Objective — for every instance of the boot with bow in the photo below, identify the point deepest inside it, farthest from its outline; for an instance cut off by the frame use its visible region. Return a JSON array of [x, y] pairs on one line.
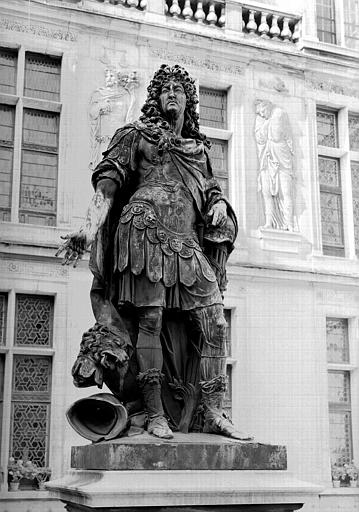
[[150, 384]]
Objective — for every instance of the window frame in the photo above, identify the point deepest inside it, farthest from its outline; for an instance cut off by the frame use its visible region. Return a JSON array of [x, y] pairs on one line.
[[339, 26], [345, 156], [9, 350], [352, 367], [221, 134], [5, 212], [332, 20], [22, 102]]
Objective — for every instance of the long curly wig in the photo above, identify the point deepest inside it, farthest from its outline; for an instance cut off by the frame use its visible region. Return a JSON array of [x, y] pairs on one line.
[[152, 114]]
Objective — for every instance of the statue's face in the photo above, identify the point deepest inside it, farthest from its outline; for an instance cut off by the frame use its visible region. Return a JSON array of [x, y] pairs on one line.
[[264, 110], [173, 99]]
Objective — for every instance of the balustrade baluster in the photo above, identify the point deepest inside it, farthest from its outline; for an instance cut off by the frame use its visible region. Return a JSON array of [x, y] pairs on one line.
[[274, 30], [222, 18], [132, 3], [296, 32], [187, 12], [263, 28], [286, 33], [211, 16], [200, 15], [143, 4], [175, 9], [251, 25]]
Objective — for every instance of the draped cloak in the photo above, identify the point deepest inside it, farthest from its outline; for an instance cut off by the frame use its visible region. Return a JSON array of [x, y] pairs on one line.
[[158, 238]]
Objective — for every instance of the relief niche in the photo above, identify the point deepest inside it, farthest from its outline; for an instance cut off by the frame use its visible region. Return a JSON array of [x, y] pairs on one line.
[[276, 177], [111, 106]]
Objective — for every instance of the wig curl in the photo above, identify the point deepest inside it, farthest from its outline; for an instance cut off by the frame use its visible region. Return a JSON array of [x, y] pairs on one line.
[[152, 114]]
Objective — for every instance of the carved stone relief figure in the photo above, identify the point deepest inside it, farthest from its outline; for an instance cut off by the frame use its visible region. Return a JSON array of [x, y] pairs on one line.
[[276, 175], [111, 106]]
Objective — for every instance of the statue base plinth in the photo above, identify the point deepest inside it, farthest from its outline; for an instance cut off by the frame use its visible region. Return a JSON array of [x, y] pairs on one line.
[[183, 452], [211, 472]]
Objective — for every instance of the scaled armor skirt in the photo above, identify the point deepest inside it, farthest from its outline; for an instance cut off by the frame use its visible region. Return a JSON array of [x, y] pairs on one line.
[[156, 267]]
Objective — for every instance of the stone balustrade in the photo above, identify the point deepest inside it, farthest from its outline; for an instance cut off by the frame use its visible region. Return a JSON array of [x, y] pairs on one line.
[[267, 23], [136, 4], [249, 18], [257, 21]]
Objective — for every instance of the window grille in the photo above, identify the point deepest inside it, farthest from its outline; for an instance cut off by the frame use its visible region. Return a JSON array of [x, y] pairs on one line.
[[340, 437], [32, 374], [339, 387], [8, 65], [337, 340], [7, 121], [327, 129], [326, 29], [354, 132], [213, 108], [42, 76], [30, 414], [331, 206], [34, 320]]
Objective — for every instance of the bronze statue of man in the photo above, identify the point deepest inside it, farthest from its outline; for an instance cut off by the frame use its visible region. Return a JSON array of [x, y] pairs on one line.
[[161, 232]]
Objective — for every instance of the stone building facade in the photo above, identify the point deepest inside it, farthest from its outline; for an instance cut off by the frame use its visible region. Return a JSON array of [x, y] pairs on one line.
[[279, 98]]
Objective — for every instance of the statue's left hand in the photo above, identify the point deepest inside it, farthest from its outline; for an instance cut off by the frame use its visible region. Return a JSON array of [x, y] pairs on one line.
[[218, 212]]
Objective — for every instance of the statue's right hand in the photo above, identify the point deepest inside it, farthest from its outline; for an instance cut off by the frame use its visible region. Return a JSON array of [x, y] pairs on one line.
[[74, 246]]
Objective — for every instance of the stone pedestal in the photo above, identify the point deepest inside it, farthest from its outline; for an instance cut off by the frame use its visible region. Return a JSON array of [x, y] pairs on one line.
[[184, 452], [190, 473], [276, 240]]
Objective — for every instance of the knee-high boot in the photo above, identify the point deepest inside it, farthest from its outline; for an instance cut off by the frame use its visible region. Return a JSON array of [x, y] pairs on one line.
[[150, 384], [215, 420]]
